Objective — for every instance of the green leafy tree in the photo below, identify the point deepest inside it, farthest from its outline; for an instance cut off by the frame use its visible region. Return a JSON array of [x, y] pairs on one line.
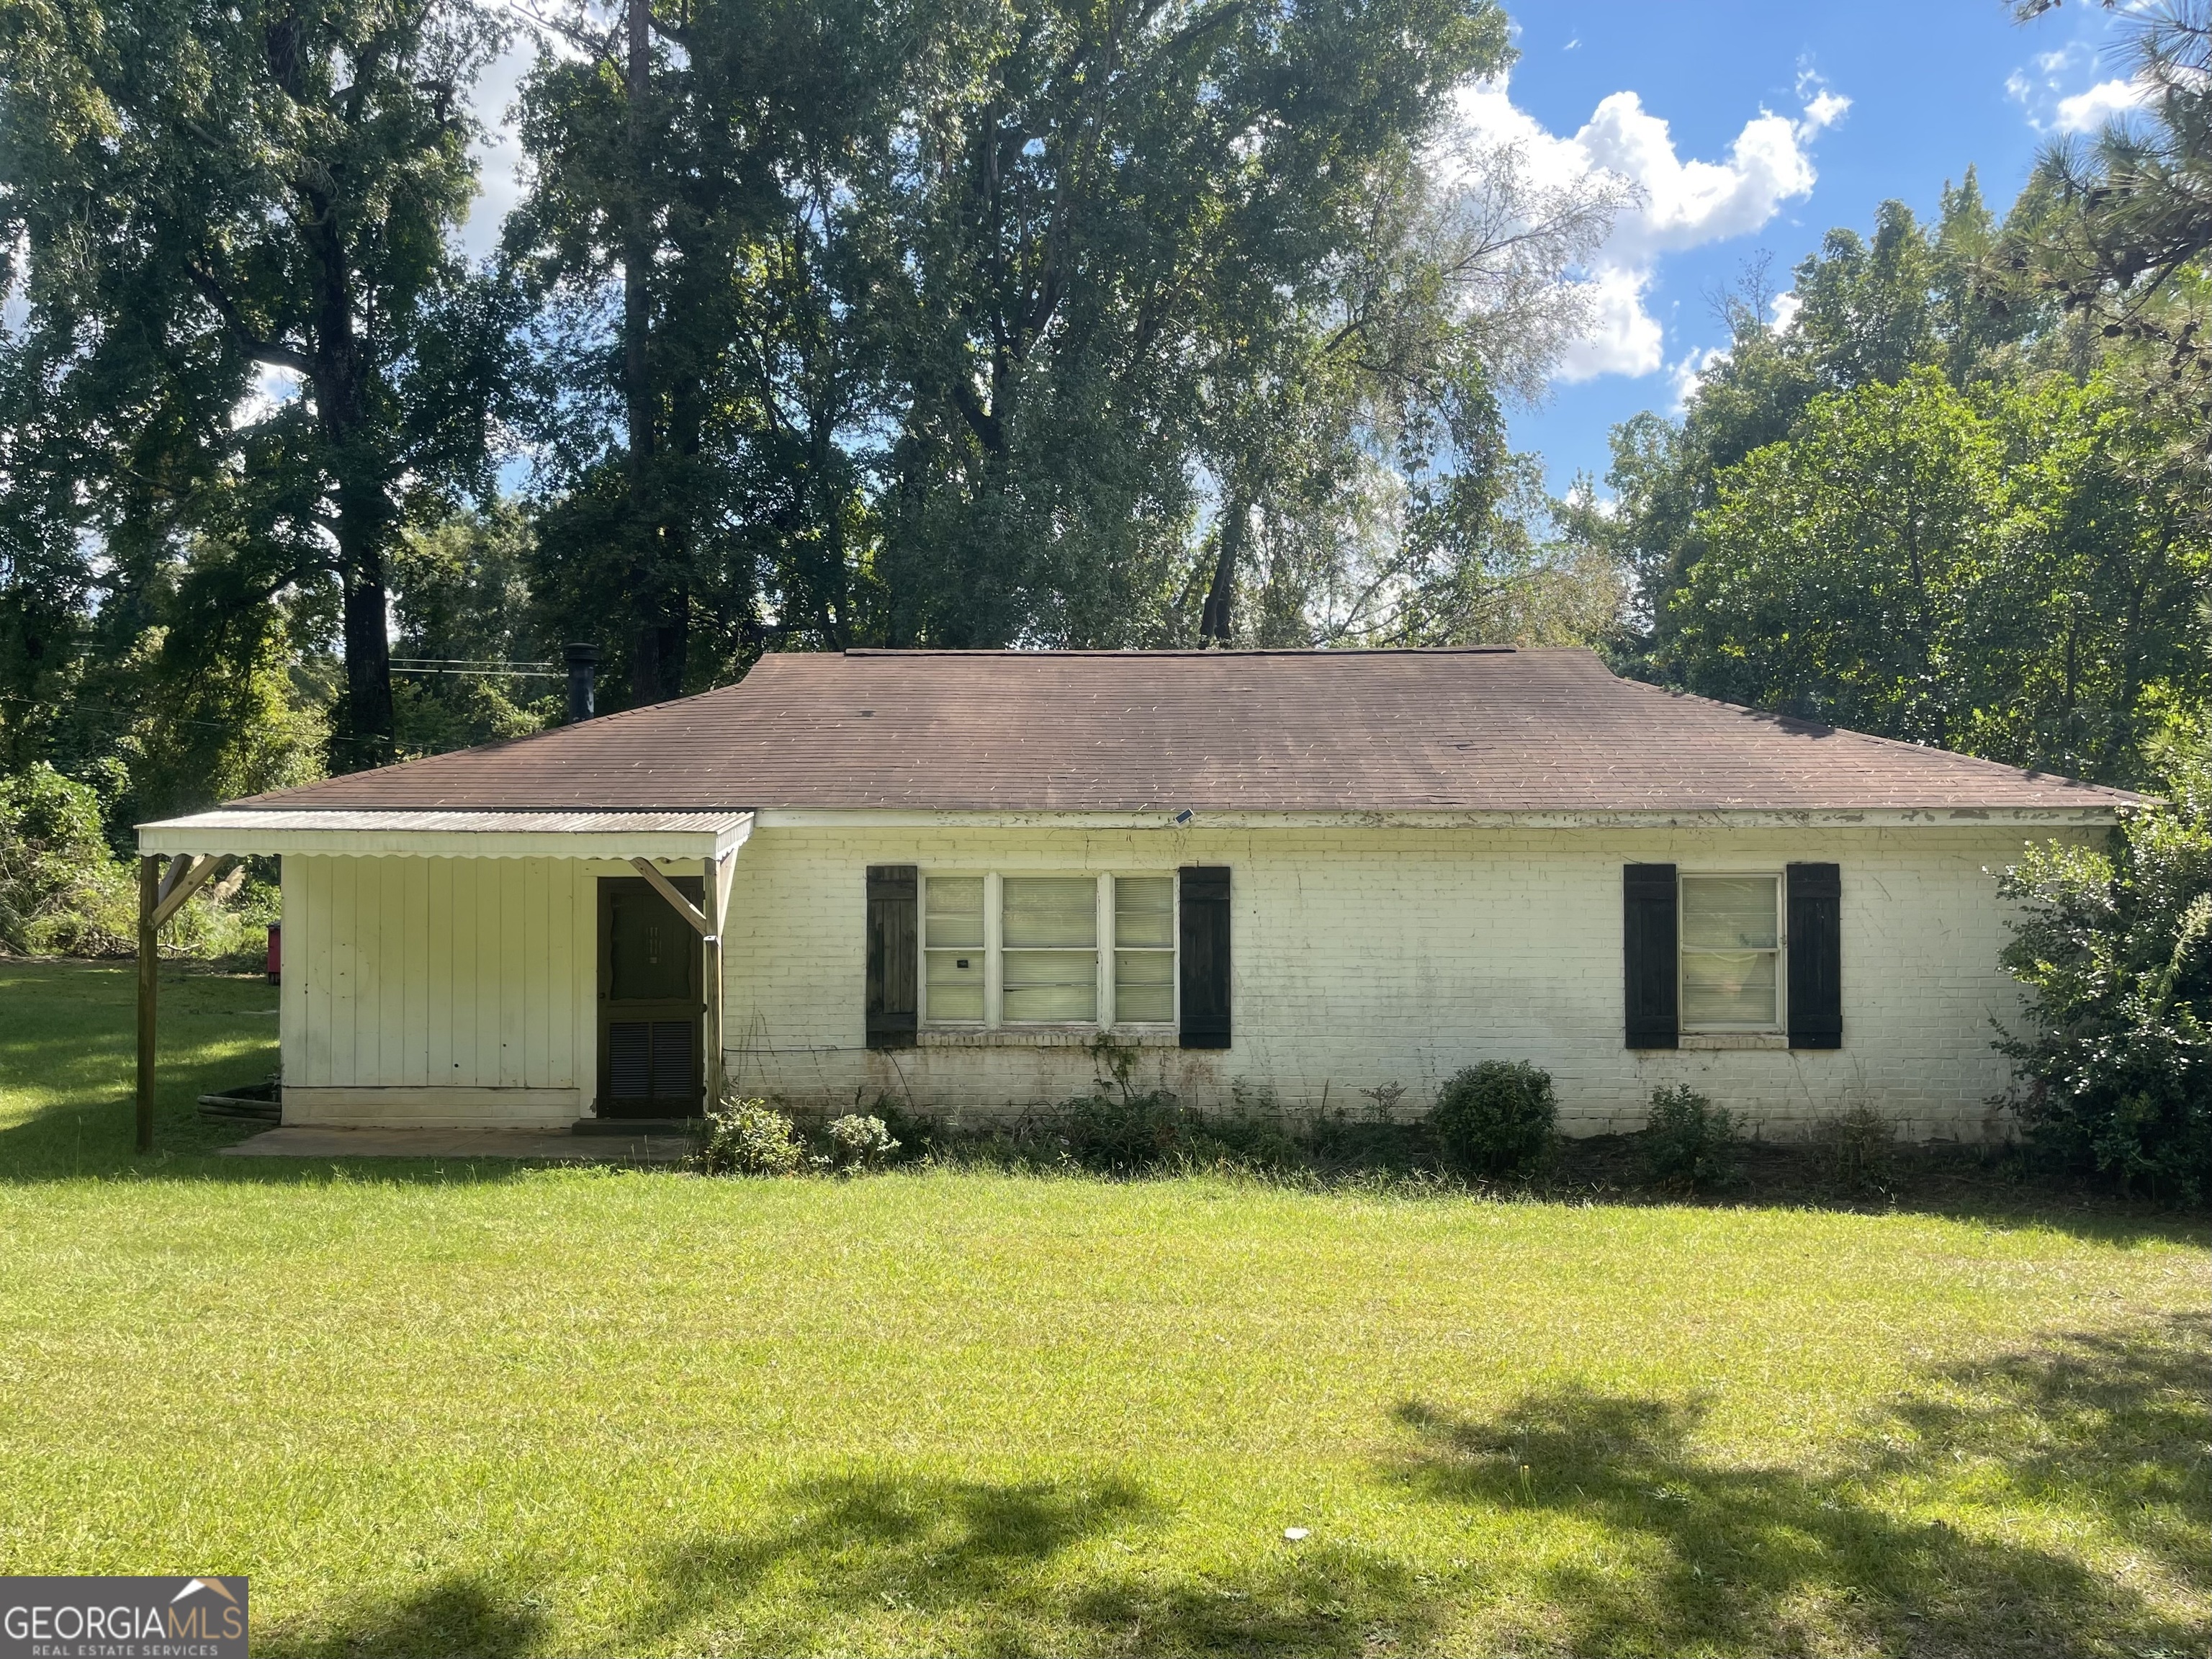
[[468, 631], [218, 200], [952, 333], [1989, 573], [686, 230], [1866, 312], [1106, 247]]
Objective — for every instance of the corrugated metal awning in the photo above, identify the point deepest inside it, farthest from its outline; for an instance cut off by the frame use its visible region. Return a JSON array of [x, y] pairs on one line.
[[450, 835]]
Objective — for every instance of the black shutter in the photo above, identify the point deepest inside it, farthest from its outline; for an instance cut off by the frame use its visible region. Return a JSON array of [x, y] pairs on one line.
[[892, 889], [1648, 904], [1815, 904], [1205, 928]]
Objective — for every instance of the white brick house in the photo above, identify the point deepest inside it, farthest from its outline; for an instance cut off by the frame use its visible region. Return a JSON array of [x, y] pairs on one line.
[[938, 876]]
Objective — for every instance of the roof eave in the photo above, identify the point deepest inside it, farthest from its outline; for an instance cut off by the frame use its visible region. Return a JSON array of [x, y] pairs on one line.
[[2092, 815]]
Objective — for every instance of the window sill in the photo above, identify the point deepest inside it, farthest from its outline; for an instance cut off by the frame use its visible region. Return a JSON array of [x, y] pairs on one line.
[[1733, 1040], [1048, 1036]]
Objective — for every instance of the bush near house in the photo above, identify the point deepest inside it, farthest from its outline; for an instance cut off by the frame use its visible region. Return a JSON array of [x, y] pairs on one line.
[[1496, 1121], [749, 1137], [2114, 948], [1689, 1142], [1858, 1149]]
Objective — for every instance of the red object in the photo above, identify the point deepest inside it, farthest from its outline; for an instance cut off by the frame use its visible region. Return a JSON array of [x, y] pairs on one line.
[[276, 952]]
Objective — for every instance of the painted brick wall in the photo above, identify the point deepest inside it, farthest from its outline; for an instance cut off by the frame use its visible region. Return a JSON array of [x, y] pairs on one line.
[[1374, 955]]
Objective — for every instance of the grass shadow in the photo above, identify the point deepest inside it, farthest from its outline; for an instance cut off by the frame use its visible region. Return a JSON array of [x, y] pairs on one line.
[[1320, 1598], [1765, 1559], [1640, 1543], [458, 1616], [1995, 1185], [890, 1545]]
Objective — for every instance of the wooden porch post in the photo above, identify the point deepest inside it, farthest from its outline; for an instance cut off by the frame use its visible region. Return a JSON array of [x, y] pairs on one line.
[[149, 889], [716, 893]]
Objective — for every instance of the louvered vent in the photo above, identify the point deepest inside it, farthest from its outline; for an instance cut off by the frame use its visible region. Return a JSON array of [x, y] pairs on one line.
[[630, 1048], [672, 1044]]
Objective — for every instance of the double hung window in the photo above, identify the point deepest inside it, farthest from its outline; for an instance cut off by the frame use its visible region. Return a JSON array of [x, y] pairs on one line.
[[1048, 950], [1731, 953]]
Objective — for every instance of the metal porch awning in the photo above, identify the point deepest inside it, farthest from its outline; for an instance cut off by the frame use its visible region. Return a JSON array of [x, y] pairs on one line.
[[178, 856], [237, 831]]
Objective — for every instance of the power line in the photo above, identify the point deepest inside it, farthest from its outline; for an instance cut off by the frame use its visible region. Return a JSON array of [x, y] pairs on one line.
[[475, 666]]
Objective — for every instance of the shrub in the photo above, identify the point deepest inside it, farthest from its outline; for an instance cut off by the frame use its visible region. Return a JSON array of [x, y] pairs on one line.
[[746, 1136], [1858, 1149], [1689, 1141], [1495, 1120], [914, 1136], [63, 892], [2114, 948], [860, 1143], [1250, 1136], [1127, 1134], [61, 888]]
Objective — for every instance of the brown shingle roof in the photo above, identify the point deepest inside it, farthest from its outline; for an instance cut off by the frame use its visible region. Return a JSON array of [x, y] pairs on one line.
[[1383, 731]]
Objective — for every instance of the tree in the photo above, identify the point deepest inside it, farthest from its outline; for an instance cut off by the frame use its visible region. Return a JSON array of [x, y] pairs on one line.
[[1361, 469], [1107, 248], [2143, 189], [691, 175], [468, 629], [216, 198], [953, 328], [2116, 232], [1993, 573], [1865, 313]]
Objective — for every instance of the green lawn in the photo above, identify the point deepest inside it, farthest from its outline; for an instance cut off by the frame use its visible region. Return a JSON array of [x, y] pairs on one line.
[[488, 1411]]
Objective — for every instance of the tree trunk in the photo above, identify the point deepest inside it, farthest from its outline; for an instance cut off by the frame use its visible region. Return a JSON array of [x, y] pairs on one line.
[[649, 651], [365, 736], [1213, 625], [365, 729]]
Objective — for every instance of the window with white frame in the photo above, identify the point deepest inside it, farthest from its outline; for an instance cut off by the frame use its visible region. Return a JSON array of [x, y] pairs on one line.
[[1731, 952], [1048, 950]]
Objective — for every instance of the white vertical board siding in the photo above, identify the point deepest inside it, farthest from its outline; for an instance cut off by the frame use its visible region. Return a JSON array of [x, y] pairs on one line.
[[438, 990], [1367, 956]]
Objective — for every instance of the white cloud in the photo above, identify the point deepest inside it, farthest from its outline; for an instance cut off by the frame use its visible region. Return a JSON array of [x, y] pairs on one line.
[[2087, 111], [1622, 337], [1782, 310], [1681, 203], [498, 153], [2041, 87], [1825, 110], [1688, 374]]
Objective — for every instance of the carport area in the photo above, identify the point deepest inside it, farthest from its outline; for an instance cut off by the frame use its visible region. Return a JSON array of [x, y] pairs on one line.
[[469, 973]]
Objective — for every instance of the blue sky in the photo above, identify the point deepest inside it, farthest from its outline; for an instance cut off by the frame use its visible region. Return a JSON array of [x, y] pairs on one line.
[[1931, 86]]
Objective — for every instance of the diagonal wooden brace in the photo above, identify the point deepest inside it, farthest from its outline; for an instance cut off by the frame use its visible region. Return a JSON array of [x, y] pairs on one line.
[[682, 906], [181, 883], [178, 864]]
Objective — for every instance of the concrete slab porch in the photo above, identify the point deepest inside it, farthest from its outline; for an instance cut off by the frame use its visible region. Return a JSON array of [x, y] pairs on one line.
[[308, 1141]]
